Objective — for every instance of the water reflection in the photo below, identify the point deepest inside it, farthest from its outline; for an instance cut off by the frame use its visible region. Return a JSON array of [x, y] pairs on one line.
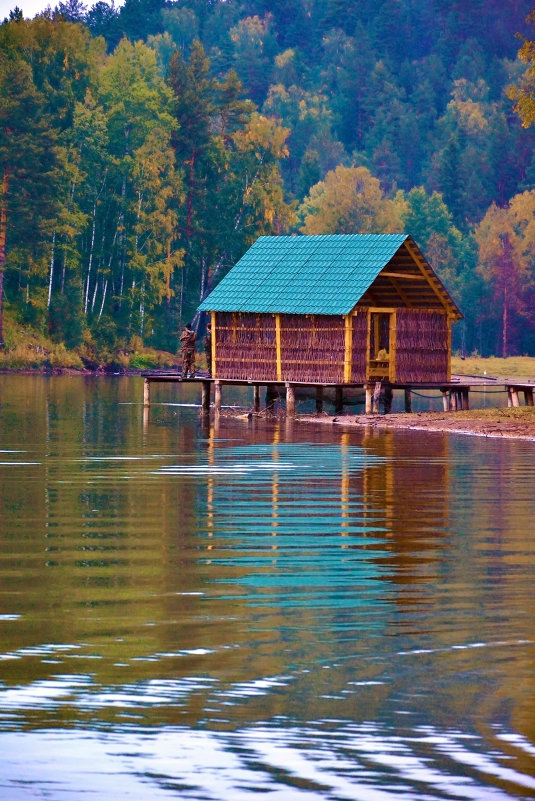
[[325, 760], [215, 609]]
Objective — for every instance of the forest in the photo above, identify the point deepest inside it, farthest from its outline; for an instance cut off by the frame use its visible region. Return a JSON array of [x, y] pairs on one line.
[[144, 148]]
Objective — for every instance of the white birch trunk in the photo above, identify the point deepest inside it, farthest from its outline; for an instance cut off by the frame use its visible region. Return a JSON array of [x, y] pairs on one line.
[[91, 251], [51, 276], [103, 298]]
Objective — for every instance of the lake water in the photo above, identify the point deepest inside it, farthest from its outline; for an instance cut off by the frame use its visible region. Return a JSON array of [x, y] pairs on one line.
[[253, 608]]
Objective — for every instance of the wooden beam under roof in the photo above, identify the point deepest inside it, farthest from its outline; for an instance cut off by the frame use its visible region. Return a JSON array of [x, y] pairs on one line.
[[399, 290], [435, 284], [410, 276]]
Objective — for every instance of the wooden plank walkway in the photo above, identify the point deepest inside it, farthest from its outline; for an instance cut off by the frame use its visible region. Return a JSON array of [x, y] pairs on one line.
[[455, 393]]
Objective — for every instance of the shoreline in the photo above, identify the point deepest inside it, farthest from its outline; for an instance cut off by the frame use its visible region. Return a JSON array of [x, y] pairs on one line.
[[516, 422], [506, 423]]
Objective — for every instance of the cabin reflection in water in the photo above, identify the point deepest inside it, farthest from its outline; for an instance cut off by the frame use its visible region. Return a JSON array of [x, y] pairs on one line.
[[358, 489]]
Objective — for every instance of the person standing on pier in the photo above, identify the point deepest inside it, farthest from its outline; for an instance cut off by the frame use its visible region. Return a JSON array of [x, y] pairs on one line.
[[208, 349], [188, 338]]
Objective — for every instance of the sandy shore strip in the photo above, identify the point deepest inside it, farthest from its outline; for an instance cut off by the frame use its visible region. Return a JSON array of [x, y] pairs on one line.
[[514, 422]]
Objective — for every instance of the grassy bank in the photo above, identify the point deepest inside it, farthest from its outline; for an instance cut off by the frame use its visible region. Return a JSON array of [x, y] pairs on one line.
[[512, 367], [32, 352], [26, 350]]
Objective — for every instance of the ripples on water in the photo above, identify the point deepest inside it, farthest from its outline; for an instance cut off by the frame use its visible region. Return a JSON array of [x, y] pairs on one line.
[[194, 611]]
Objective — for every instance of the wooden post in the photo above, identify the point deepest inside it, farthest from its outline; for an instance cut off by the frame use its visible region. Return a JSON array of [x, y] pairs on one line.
[[514, 396], [205, 396], [278, 348], [256, 398], [509, 397], [466, 398], [369, 398], [290, 400], [338, 399], [217, 396], [528, 396], [146, 392], [319, 400], [449, 348], [408, 401], [376, 396], [445, 400], [348, 348], [271, 397], [212, 367], [389, 396]]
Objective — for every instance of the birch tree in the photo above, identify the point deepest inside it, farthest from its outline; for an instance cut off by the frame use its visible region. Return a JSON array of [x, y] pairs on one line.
[[45, 66], [140, 182]]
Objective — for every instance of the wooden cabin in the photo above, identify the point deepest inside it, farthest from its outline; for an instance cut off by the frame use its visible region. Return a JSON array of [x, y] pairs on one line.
[[340, 309]]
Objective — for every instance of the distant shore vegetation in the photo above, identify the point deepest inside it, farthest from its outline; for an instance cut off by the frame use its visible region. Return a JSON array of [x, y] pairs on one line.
[[29, 351], [144, 148]]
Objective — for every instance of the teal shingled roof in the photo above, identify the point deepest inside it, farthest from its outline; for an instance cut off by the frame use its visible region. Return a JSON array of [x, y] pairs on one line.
[[304, 274]]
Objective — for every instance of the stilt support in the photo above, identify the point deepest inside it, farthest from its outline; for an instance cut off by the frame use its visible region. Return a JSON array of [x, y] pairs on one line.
[[389, 396], [528, 396], [408, 400], [369, 399], [512, 396], [290, 400], [217, 396], [205, 396], [271, 397], [376, 396], [146, 392], [256, 398]]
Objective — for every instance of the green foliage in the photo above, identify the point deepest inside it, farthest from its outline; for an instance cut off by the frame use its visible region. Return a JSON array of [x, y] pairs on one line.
[[134, 172], [349, 201]]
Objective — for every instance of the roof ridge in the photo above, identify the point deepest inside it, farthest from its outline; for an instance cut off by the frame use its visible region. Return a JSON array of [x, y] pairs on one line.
[[318, 274]]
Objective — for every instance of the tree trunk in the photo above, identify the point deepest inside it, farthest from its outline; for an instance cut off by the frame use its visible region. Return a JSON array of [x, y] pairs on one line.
[[3, 230], [504, 323], [91, 250], [94, 296], [120, 230], [103, 298], [2, 343], [51, 274]]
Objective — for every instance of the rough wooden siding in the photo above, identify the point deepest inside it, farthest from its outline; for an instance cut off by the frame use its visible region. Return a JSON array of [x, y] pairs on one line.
[[246, 346], [421, 346], [312, 348], [359, 346]]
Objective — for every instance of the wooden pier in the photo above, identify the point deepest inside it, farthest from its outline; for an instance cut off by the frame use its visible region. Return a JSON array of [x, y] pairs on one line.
[[455, 393]]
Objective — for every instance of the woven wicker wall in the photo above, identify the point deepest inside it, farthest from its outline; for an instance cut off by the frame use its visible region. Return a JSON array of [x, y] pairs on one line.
[[246, 346], [312, 348], [421, 346], [359, 346]]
